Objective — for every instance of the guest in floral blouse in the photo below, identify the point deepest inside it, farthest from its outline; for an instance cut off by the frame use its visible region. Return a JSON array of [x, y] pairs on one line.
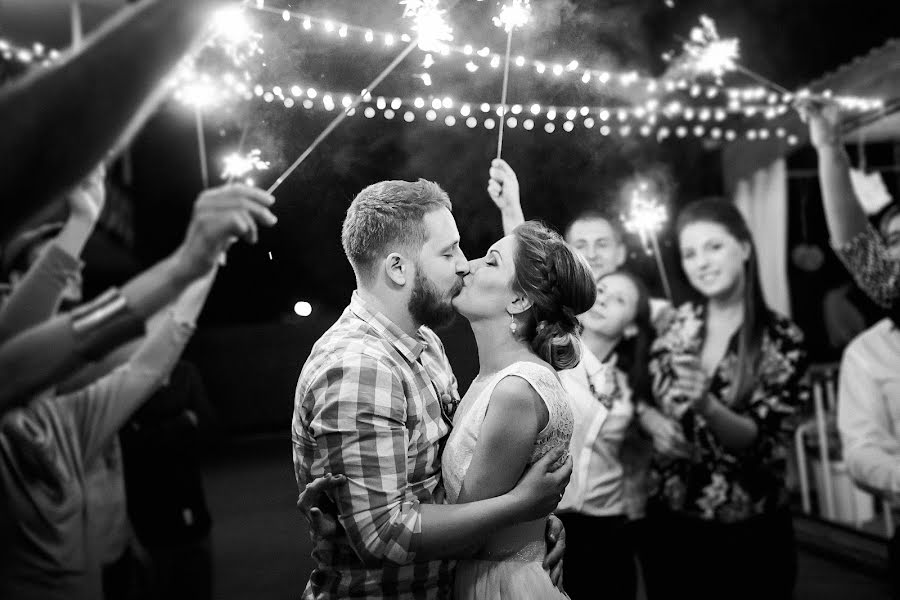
[[866, 254], [726, 369]]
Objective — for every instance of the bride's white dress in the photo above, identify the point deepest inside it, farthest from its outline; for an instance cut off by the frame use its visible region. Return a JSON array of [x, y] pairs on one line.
[[509, 565]]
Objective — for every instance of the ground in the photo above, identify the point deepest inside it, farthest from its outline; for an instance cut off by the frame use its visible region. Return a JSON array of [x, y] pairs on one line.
[[262, 548]]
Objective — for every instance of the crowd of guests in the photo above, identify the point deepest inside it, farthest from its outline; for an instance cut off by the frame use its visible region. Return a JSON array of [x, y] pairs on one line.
[[703, 392], [101, 494], [679, 414]]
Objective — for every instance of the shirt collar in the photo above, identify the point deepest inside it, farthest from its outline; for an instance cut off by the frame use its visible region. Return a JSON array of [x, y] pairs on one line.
[[408, 346]]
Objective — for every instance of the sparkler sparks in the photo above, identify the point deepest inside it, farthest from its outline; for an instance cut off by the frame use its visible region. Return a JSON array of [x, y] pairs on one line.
[[433, 32], [646, 215], [513, 15], [237, 165], [708, 54], [233, 33]]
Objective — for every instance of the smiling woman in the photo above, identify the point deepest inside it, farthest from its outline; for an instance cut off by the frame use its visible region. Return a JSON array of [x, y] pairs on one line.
[[727, 371]]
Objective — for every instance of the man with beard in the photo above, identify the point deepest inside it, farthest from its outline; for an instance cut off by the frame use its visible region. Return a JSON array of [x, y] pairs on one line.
[[375, 401]]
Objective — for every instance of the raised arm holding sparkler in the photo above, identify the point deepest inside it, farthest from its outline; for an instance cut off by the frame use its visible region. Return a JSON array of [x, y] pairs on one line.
[[857, 244]]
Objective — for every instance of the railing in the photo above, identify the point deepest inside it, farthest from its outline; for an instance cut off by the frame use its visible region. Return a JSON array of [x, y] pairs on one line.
[[836, 503]]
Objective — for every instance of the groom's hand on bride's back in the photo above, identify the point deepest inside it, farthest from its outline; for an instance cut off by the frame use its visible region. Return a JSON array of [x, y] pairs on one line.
[[556, 548], [541, 487], [317, 508]]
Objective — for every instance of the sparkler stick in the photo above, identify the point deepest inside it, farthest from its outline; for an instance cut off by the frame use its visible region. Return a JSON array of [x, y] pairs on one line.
[[503, 93], [201, 146], [660, 267], [646, 217], [343, 115], [511, 16], [432, 34]]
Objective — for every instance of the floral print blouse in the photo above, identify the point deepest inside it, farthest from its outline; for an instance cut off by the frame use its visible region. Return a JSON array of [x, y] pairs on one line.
[[715, 483], [875, 271]]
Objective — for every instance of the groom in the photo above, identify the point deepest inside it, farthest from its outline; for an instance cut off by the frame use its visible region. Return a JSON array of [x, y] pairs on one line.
[[374, 403]]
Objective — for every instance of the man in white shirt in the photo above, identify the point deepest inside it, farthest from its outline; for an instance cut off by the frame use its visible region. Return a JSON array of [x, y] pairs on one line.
[[869, 419]]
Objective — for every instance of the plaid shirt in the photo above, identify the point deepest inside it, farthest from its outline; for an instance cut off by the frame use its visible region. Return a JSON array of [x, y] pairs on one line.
[[368, 405]]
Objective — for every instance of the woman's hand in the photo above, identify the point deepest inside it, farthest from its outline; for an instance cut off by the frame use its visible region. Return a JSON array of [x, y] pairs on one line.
[[503, 187], [691, 383], [668, 437], [823, 118]]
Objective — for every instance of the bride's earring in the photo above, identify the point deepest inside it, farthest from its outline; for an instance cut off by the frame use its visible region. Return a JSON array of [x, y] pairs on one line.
[[513, 325]]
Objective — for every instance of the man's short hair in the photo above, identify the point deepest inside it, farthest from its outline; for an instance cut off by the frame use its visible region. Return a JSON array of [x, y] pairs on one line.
[[597, 214], [385, 215]]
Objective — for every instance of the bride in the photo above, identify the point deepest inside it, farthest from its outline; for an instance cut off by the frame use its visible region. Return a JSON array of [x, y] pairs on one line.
[[521, 299]]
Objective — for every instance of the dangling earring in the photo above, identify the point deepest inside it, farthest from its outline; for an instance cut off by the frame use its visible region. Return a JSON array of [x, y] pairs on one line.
[[513, 325]]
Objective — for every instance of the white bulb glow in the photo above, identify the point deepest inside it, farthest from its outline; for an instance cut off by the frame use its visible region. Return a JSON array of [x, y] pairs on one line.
[[303, 309]]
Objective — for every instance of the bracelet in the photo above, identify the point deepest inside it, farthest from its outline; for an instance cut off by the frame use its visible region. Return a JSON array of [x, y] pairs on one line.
[[104, 324]]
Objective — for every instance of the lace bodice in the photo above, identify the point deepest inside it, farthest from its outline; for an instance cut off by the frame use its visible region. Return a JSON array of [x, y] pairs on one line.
[[463, 439]]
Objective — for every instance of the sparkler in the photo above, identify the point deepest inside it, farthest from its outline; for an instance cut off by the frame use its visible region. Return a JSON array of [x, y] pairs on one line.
[[200, 94], [432, 33], [646, 216], [707, 53], [237, 165], [511, 16], [230, 32]]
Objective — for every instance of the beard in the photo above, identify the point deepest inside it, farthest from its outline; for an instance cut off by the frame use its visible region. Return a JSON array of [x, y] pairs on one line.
[[428, 306]]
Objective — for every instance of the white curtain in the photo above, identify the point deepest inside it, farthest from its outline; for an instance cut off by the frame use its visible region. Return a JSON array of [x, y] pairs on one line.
[[762, 198]]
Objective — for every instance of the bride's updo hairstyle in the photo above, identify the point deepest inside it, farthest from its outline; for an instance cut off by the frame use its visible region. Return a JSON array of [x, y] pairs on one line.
[[560, 285]]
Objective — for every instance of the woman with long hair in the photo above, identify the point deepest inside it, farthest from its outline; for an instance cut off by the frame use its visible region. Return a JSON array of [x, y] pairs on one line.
[[603, 390], [726, 368], [521, 300]]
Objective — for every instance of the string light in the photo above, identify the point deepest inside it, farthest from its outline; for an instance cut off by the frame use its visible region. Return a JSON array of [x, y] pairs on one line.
[[440, 34]]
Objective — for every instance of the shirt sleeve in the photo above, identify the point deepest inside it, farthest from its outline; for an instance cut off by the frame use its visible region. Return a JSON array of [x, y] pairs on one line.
[[867, 259], [37, 296], [104, 406], [871, 449], [355, 411]]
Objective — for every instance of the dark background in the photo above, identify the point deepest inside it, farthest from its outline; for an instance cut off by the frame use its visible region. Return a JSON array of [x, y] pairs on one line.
[[250, 347]]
